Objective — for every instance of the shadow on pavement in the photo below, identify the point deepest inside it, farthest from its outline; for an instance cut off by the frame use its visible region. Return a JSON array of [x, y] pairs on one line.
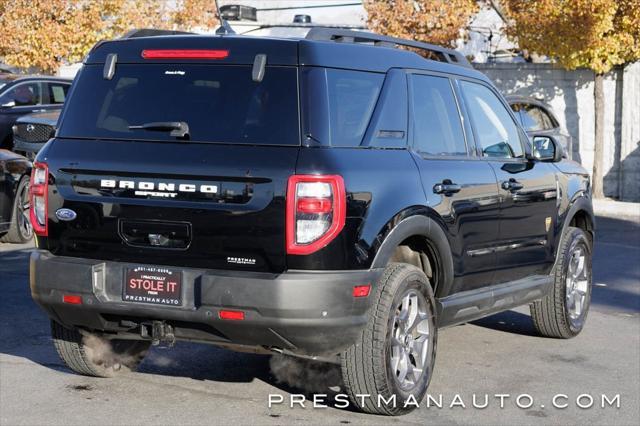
[[510, 322]]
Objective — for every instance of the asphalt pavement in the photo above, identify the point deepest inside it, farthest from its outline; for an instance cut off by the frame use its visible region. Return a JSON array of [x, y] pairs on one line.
[[200, 384]]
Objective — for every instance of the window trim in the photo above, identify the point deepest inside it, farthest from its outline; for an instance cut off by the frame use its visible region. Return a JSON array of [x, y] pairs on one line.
[[521, 133], [411, 143]]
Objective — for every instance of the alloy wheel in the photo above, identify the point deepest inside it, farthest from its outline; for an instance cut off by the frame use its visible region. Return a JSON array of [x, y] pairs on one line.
[[577, 282], [411, 343]]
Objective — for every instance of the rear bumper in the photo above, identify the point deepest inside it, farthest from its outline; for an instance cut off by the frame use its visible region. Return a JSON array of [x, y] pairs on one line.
[[303, 312]]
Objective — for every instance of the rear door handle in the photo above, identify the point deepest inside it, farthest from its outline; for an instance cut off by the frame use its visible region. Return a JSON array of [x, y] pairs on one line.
[[512, 185], [446, 187]]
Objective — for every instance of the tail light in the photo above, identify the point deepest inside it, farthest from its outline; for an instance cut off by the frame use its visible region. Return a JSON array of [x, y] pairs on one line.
[[316, 212], [38, 197]]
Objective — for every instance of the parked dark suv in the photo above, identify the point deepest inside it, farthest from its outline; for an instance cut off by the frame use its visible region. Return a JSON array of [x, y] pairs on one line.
[[22, 95], [332, 197], [32, 131]]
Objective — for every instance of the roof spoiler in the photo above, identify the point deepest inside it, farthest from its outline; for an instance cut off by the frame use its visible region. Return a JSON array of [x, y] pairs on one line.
[[347, 36], [150, 32]]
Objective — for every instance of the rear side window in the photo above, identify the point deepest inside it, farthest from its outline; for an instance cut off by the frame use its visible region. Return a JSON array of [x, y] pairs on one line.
[[437, 129], [352, 98], [57, 92], [338, 104], [218, 104]]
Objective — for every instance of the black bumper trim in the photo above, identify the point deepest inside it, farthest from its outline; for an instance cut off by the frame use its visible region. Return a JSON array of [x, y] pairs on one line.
[[309, 312]]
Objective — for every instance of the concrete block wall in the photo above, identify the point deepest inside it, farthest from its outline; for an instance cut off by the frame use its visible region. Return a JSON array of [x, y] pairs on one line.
[[570, 95]]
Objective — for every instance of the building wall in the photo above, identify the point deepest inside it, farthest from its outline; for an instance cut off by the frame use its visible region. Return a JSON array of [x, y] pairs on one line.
[[570, 94]]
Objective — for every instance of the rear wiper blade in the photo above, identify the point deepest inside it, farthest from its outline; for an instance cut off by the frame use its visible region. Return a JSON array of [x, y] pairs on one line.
[[178, 129]]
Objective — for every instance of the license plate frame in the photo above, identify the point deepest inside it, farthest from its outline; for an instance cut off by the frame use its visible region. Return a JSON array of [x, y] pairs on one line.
[[155, 285]]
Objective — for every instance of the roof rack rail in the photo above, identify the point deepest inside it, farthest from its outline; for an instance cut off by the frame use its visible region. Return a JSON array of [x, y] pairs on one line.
[[152, 32], [348, 36]]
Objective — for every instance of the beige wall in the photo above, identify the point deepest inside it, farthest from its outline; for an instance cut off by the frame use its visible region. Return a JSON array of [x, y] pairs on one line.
[[570, 94]]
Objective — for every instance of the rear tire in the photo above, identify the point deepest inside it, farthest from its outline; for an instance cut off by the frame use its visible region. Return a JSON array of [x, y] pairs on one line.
[[91, 355], [395, 354], [563, 312], [20, 230]]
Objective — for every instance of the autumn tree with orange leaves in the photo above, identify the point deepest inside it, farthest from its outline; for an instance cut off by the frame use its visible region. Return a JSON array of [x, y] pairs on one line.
[[439, 22], [44, 34], [594, 34]]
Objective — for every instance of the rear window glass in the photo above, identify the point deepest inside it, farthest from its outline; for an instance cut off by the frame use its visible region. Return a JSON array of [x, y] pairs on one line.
[[218, 104]]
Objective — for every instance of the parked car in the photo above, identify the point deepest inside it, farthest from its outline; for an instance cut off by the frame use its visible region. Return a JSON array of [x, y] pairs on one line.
[[537, 118], [32, 131], [22, 95], [15, 226], [333, 197]]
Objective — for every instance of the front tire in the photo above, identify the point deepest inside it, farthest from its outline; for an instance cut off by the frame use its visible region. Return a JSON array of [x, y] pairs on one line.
[[394, 358], [91, 355], [563, 312]]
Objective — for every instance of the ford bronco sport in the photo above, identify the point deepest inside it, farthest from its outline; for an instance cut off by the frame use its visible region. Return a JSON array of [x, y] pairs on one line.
[[335, 197]]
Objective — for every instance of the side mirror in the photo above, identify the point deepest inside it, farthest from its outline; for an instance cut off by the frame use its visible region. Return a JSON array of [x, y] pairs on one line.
[[8, 105], [546, 148]]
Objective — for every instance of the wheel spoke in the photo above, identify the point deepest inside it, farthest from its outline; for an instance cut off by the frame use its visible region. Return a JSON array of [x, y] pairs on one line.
[[419, 352], [582, 286], [578, 304], [571, 267], [410, 372], [395, 359], [571, 299], [413, 312], [404, 310], [403, 367], [579, 267], [396, 342]]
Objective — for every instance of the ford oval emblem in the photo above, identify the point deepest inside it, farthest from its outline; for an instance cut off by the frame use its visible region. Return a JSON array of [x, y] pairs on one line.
[[66, 215]]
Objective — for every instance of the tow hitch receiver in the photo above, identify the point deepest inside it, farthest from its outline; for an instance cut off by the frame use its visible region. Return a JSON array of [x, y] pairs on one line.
[[159, 332]]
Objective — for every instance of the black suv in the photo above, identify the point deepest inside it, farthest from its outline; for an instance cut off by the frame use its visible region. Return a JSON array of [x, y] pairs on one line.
[[333, 197]]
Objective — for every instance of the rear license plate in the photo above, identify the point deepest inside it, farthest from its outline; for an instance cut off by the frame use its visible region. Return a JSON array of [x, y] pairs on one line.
[[148, 284]]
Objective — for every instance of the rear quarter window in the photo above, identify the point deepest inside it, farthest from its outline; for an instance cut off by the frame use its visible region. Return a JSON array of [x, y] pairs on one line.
[[338, 104]]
